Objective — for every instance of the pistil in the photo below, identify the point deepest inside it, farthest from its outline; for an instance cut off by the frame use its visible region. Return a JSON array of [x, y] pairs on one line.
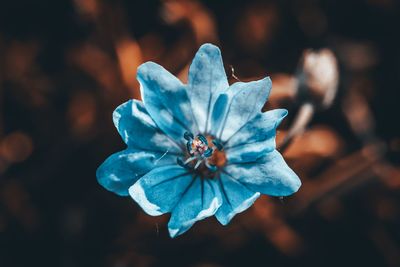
[[201, 150]]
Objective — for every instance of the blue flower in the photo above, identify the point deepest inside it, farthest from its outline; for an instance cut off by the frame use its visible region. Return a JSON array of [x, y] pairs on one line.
[[197, 149]]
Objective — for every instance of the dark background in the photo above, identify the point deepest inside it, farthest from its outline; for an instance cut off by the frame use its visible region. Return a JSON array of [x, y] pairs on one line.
[[64, 67]]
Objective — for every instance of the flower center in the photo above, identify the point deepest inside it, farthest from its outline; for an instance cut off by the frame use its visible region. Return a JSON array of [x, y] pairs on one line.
[[205, 155]]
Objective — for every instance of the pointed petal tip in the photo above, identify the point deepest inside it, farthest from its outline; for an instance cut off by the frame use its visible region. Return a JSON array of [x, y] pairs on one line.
[[110, 181], [209, 49], [147, 68], [173, 232], [268, 84], [296, 185], [225, 220], [148, 64], [182, 227], [268, 80], [117, 113], [281, 114], [263, 83], [292, 187], [284, 112]]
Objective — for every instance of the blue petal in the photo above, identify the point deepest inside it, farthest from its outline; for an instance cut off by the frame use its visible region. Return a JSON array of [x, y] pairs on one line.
[[161, 189], [119, 171], [207, 79], [236, 198], [166, 100], [255, 138], [138, 129], [201, 200], [270, 175], [237, 106]]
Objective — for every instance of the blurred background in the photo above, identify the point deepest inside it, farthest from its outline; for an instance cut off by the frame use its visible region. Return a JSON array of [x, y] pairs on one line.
[[65, 65]]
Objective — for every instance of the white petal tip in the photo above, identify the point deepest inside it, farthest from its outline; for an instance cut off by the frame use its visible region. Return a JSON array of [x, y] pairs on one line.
[[173, 232], [225, 220], [138, 194], [209, 48]]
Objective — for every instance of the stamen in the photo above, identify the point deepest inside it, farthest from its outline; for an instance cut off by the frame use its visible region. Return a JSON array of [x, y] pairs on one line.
[[180, 162], [188, 136], [208, 153], [203, 150], [212, 168], [189, 160], [202, 139], [198, 164], [217, 144]]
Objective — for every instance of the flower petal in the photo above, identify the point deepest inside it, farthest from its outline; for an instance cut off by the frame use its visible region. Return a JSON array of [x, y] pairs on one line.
[[207, 79], [256, 138], [270, 175], [236, 198], [119, 171], [138, 129], [201, 200], [237, 106], [166, 100], [161, 189]]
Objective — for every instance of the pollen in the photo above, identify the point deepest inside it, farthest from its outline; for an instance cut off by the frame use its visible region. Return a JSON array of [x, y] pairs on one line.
[[206, 154], [218, 159]]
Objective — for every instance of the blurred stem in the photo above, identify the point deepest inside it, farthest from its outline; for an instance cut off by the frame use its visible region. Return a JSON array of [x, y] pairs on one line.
[[303, 117], [348, 172]]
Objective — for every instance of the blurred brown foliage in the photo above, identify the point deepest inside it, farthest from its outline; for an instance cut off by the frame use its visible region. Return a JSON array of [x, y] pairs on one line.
[[67, 64]]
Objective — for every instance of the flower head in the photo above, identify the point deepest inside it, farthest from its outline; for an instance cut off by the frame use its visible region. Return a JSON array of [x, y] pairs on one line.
[[197, 149]]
